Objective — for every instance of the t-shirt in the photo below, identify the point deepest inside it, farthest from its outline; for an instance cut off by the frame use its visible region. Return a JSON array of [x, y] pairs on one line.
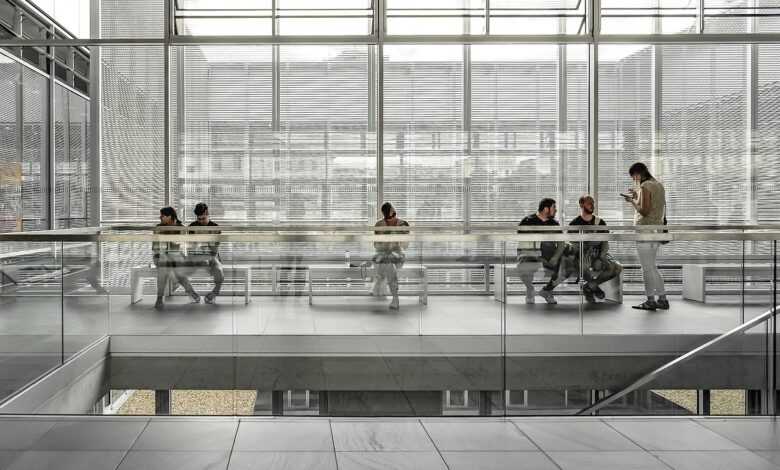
[[657, 203], [207, 248], [390, 246], [580, 221], [159, 248], [547, 248]]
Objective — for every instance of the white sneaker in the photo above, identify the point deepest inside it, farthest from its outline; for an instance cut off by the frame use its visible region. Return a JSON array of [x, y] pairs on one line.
[[211, 298], [195, 298], [530, 295], [548, 296], [394, 304]]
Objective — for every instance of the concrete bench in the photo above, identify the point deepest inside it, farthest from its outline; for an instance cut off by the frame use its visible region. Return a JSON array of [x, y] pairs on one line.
[[330, 274], [139, 273], [694, 277], [613, 289]]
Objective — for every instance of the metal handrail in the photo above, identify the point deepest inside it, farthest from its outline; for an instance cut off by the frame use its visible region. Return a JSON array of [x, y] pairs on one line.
[[651, 376]]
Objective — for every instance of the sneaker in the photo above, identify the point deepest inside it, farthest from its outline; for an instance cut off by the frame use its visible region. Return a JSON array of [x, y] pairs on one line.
[[195, 298], [598, 293], [646, 305], [662, 304], [394, 304], [589, 294], [530, 295], [159, 305], [548, 296], [378, 291], [211, 298]]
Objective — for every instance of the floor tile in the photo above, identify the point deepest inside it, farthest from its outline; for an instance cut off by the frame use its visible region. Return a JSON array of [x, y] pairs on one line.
[[21, 435], [475, 436], [715, 460], [200, 435], [7, 457], [498, 461], [390, 461], [771, 455], [152, 460], [750, 434], [91, 435], [61, 460], [672, 434], [284, 436], [282, 461], [607, 461], [574, 435], [384, 436]]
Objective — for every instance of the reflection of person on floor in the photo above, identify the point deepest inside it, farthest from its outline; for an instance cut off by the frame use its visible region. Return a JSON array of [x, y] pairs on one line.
[[169, 259], [389, 256], [207, 254], [533, 255], [598, 265]]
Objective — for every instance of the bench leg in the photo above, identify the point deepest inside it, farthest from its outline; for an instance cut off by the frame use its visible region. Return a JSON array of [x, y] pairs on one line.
[[498, 281], [694, 286], [136, 288], [424, 295], [248, 287], [309, 281]]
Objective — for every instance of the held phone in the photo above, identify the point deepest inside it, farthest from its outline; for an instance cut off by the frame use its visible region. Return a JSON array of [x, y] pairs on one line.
[[627, 195]]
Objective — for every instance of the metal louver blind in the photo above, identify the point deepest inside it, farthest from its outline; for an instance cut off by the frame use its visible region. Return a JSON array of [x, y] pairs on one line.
[[424, 141], [10, 164], [72, 159], [34, 141], [704, 124], [327, 155], [225, 144], [520, 148], [132, 133], [766, 140]]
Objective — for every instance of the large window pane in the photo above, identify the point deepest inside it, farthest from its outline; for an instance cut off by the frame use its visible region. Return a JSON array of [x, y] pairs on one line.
[[424, 139], [528, 129]]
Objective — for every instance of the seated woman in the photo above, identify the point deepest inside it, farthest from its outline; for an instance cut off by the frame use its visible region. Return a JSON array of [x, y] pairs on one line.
[[389, 255], [169, 260]]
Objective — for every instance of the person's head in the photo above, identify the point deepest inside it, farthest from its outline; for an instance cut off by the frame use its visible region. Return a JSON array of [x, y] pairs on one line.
[[168, 216], [587, 204], [547, 208], [639, 172], [388, 212], [202, 213]]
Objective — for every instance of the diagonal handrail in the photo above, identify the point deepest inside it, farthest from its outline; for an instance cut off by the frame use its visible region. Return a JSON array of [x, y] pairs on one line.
[[650, 376]]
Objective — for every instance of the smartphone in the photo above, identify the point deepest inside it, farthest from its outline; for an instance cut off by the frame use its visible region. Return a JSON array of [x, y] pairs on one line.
[[627, 195]]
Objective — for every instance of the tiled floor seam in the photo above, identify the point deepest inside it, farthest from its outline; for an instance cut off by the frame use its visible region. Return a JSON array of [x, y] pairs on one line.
[[333, 443], [544, 452], [233, 445], [646, 451], [127, 452], [721, 435], [434, 444]]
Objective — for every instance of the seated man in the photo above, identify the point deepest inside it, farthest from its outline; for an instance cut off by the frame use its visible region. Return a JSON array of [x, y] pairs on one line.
[[598, 266], [389, 255], [532, 255], [207, 254], [169, 259]]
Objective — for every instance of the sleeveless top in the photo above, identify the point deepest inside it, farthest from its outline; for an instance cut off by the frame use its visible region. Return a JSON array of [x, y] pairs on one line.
[[657, 203]]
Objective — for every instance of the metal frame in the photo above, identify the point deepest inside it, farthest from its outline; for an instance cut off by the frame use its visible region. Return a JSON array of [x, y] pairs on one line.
[[378, 36]]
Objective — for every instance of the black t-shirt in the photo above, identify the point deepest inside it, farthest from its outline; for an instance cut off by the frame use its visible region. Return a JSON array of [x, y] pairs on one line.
[[547, 248], [205, 248], [580, 221]]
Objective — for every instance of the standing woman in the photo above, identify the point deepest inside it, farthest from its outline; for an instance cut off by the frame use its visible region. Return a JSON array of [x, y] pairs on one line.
[[649, 203]]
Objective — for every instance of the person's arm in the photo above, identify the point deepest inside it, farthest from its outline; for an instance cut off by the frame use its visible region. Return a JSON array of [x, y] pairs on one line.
[[643, 203]]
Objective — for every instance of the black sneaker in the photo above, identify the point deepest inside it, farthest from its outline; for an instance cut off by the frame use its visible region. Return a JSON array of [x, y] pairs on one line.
[[662, 304], [159, 305], [646, 305], [598, 293], [588, 293]]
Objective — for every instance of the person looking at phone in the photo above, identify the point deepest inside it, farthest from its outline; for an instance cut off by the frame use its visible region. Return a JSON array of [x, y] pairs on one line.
[[648, 199]]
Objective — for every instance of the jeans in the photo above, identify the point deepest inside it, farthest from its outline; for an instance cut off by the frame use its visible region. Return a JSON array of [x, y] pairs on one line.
[[171, 264], [387, 265], [648, 254]]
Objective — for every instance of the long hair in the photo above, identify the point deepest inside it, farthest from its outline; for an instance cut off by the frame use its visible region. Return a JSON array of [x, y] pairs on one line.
[[640, 169], [170, 212]]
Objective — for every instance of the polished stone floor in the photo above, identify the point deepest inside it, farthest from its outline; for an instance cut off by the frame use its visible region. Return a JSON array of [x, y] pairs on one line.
[[112, 443]]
